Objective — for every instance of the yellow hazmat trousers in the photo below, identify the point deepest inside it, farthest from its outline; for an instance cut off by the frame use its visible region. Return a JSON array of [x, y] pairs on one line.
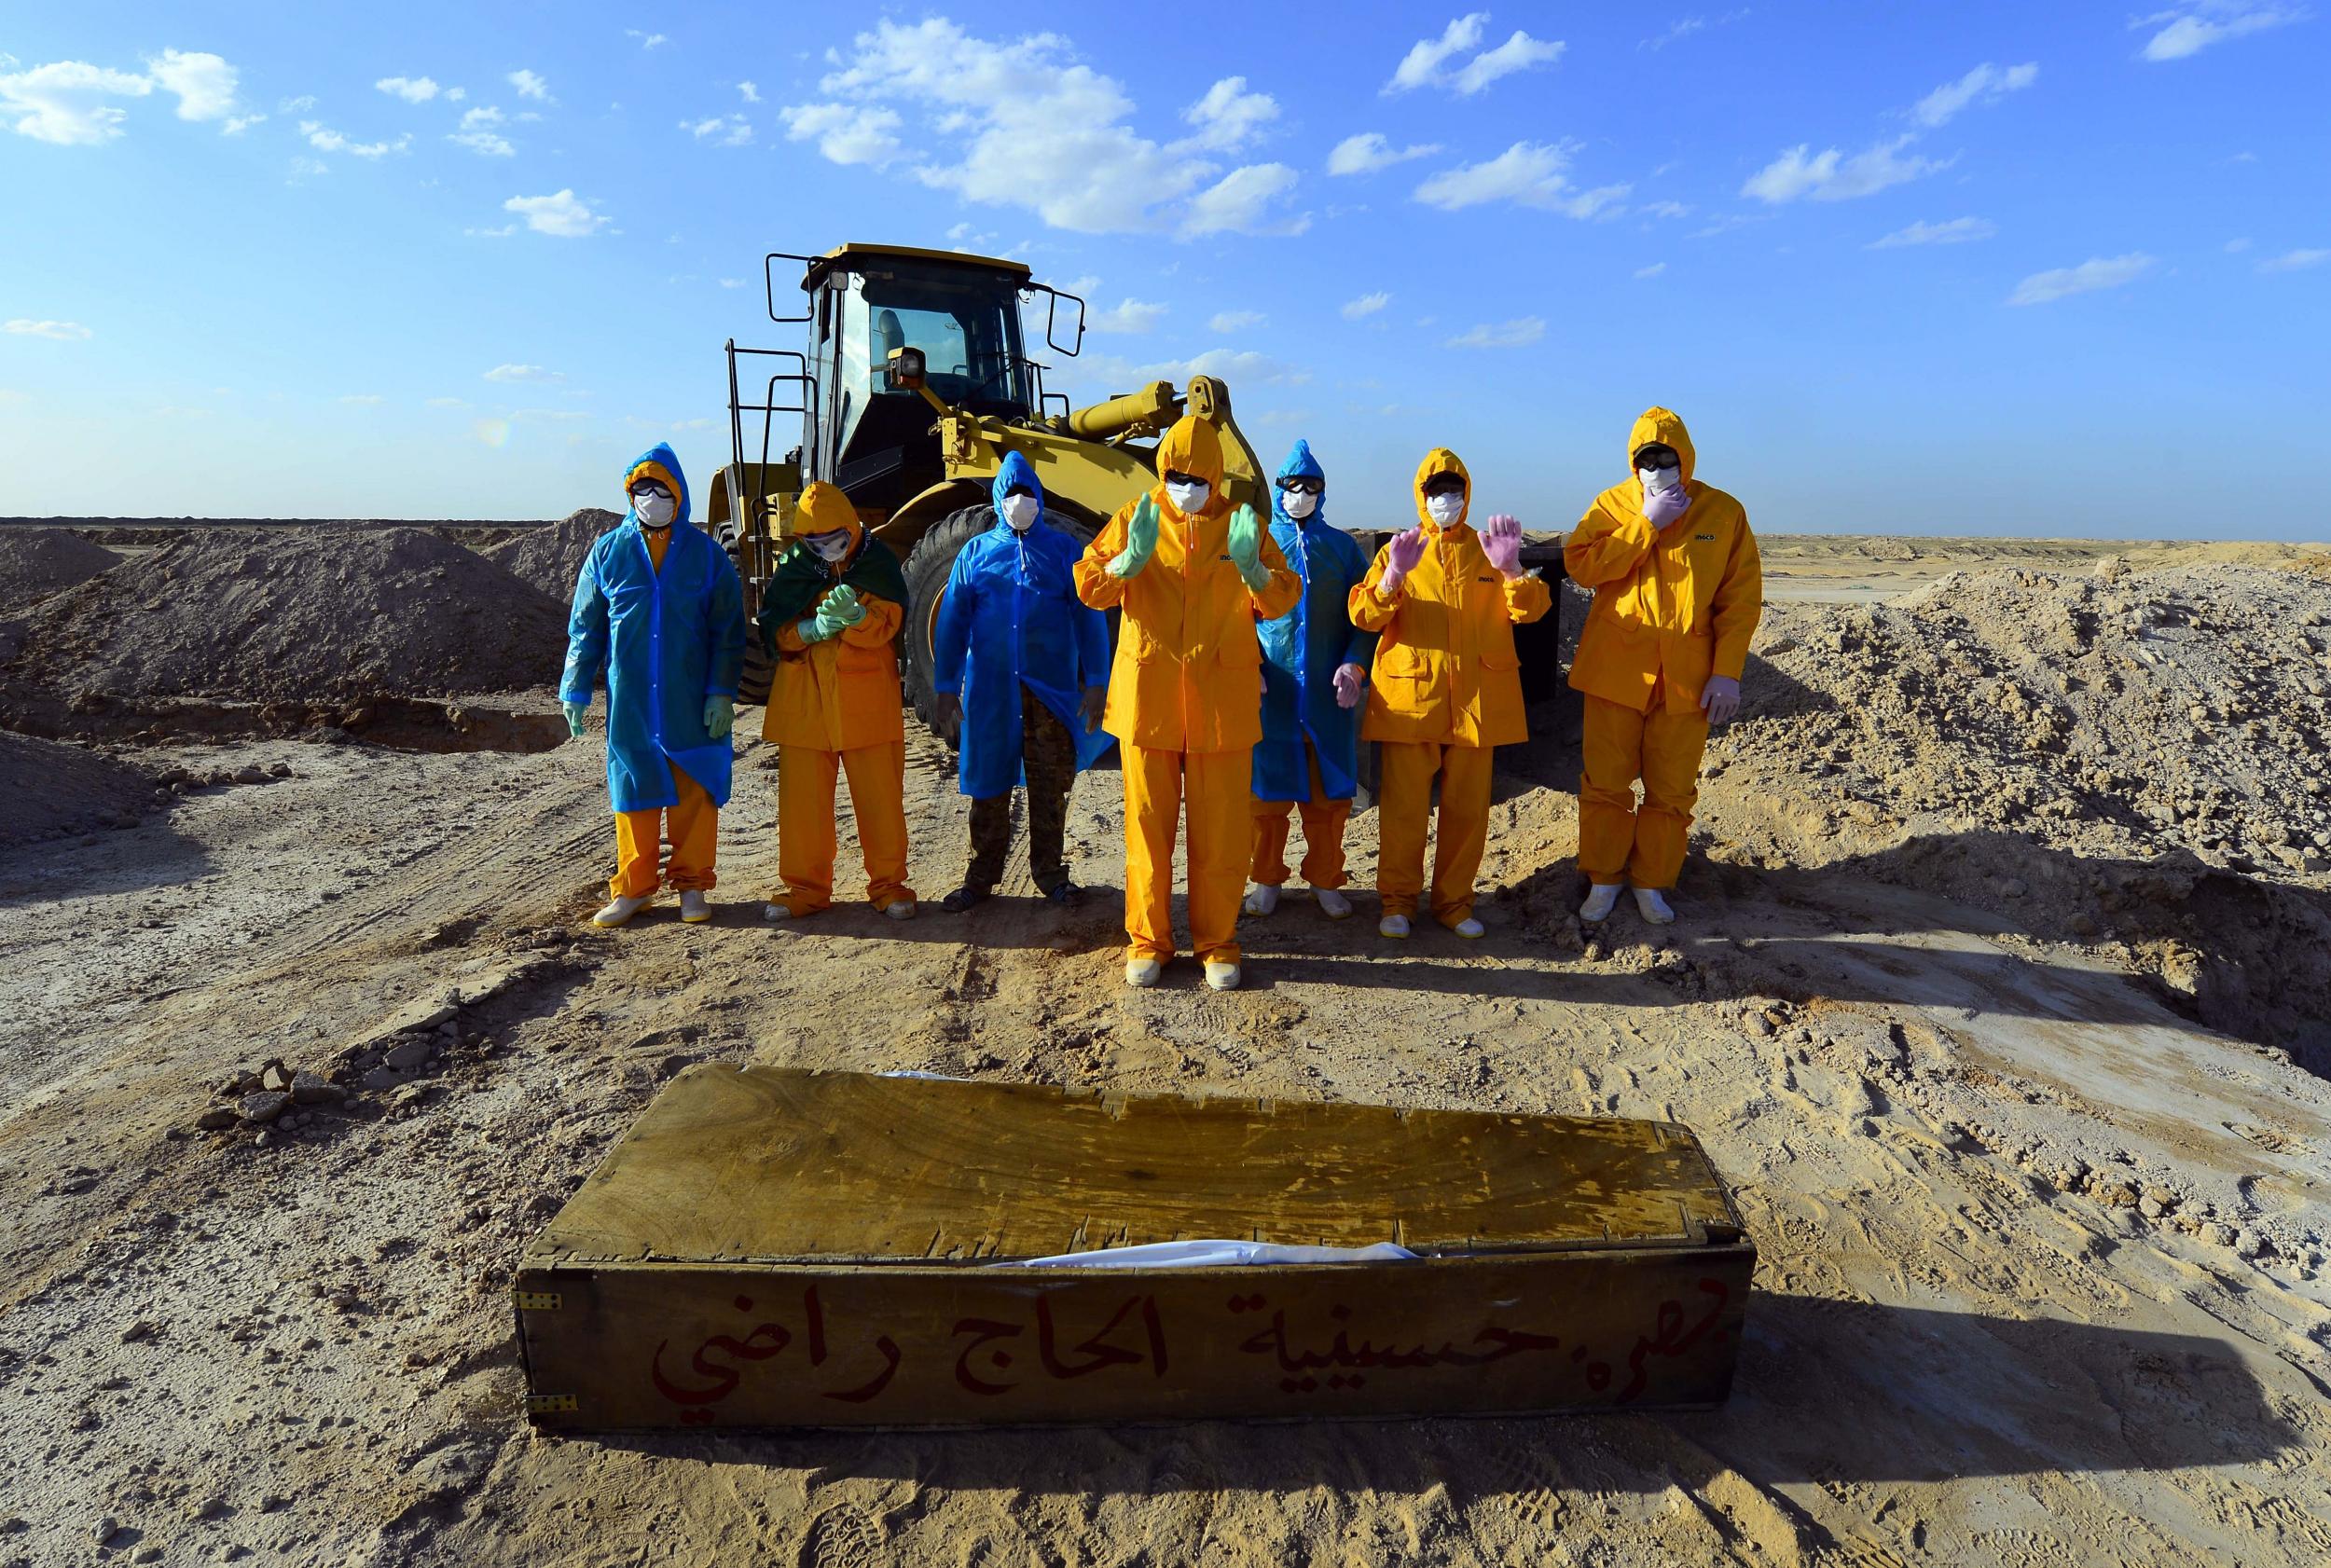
[[1445, 693], [835, 706], [1185, 699], [1671, 606]]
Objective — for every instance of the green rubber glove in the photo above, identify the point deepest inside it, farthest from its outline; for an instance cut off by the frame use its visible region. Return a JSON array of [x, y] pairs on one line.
[[1140, 539], [838, 613], [1246, 548], [720, 715], [574, 711]]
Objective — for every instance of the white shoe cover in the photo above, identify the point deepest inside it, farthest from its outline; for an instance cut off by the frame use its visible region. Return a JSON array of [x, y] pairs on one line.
[[1470, 929], [1392, 925], [620, 910], [1143, 972], [695, 908], [1332, 903], [1600, 900], [1221, 977], [902, 910], [777, 911], [1261, 899], [1652, 905]]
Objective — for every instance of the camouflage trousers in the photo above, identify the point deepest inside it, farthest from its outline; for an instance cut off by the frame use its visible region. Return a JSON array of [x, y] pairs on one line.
[[1048, 757]]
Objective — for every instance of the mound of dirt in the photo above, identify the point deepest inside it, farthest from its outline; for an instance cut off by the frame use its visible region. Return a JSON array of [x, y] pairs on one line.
[[334, 613], [37, 562], [2116, 755], [54, 789], [550, 556]]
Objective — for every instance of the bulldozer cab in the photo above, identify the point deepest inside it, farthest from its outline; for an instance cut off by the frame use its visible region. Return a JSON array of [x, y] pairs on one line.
[[861, 426]]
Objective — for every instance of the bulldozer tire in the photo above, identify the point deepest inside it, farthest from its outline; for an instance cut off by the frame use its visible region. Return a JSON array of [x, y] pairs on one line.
[[752, 683], [927, 568]]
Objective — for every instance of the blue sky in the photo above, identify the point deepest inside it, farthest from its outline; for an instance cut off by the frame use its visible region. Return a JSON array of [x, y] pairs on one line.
[[1950, 268]]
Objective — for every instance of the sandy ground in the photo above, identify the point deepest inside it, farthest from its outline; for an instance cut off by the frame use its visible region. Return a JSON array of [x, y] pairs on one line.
[[2041, 1280]]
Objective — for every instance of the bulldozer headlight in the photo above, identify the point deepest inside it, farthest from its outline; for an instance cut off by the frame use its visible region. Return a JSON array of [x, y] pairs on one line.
[[904, 370]]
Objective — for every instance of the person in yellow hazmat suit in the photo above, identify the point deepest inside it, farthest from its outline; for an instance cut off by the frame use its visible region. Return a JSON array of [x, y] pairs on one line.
[[1446, 689], [1678, 590], [828, 615], [1190, 575]]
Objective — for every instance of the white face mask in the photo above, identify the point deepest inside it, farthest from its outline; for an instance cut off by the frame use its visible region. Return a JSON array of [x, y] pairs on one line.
[[1444, 510], [1658, 479], [830, 546], [1021, 510], [1189, 499], [654, 511], [1301, 504]]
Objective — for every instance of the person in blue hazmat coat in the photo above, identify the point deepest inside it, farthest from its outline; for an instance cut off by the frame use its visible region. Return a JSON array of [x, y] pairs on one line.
[[1021, 668], [1314, 667], [659, 612]]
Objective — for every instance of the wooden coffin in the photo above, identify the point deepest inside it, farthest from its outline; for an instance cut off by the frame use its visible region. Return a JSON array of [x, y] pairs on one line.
[[772, 1247]]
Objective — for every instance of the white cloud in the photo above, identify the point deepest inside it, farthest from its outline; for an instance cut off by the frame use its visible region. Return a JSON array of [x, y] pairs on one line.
[[1023, 124], [1832, 176], [448, 403], [1518, 334], [1240, 368], [455, 94], [1987, 83], [530, 85], [847, 134], [1368, 152], [1233, 321], [1517, 53], [750, 92], [731, 282], [1229, 117], [2294, 261], [485, 143], [647, 40], [1129, 315], [1426, 63], [560, 214], [1682, 28], [1651, 271], [237, 124], [65, 102], [524, 373], [1528, 173], [413, 90], [483, 117], [304, 169], [1366, 305], [1242, 202], [62, 332], [503, 233], [734, 130], [325, 140], [2194, 26], [2095, 273], [1957, 231], [299, 105], [2234, 247], [203, 83]]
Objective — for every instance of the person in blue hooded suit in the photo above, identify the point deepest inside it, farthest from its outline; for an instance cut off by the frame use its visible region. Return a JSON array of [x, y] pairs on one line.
[[1021, 668], [659, 612], [1315, 665]]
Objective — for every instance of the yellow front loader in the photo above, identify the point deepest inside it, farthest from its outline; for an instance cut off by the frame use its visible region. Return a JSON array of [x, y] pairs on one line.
[[913, 385]]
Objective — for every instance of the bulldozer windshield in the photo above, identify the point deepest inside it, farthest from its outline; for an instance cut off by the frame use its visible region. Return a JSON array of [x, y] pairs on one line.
[[967, 325]]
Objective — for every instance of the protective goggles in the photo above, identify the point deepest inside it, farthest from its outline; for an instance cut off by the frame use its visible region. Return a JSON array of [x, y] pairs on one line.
[[1656, 456], [1176, 476], [1444, 484], [1301, 484], [650, 487]]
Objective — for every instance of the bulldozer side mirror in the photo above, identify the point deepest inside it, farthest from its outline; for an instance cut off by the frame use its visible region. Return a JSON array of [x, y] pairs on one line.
[[904, 370]]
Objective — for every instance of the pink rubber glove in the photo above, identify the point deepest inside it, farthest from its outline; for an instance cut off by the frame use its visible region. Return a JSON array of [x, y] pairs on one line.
[[1665, 507], [1501, 542], [1347, 683], [1720, 698], [1401, 558]]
